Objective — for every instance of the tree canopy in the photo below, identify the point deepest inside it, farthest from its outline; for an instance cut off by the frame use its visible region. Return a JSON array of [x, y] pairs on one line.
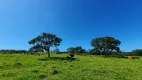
[[137, 52], [44, 41], [77, 50], [71, 50], [105, 45]]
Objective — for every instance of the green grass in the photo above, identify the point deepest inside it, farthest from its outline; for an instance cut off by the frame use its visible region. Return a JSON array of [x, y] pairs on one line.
[[32, 67]]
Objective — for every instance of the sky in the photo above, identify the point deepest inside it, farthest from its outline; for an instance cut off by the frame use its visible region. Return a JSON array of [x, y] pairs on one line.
[[77, 22]]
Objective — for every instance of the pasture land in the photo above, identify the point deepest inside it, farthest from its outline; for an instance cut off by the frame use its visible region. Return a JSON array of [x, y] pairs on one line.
[[35, 67]]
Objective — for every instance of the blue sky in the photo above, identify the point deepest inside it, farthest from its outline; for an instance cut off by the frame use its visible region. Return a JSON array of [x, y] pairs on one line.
[[77, 22]]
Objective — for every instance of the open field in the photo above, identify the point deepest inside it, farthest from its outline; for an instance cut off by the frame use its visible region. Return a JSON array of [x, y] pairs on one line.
[[32, 67]]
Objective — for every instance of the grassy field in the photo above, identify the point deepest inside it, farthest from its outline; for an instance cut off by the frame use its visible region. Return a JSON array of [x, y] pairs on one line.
[[31, 67]]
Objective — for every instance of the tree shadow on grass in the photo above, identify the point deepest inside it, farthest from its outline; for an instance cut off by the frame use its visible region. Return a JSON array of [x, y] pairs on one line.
[[125, 57], [58, 58], [133, 57]]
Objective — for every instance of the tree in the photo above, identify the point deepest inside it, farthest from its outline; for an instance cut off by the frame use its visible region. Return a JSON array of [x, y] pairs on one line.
[[56, 50], [137, 52], [106, 45], [94, 51], [83, 51], [44, 42], [36, 48], [79, 49], [71, 51]]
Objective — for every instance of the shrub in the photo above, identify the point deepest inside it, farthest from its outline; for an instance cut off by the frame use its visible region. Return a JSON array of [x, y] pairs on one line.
[[42, 76], [35, 71], [137, 52], [55, 72], [123, 54]]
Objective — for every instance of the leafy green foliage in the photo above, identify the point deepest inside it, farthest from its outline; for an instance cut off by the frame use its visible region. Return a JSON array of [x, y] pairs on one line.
[[137, 52], [42, 76], [44, 41], [71, 50], [79, 49], [35, 71], [104, 45], [36, 48], [56, 50], [55, 72]]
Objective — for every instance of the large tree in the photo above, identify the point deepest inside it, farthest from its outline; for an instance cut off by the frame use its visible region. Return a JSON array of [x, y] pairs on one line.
[[44, 41], [106, 44]]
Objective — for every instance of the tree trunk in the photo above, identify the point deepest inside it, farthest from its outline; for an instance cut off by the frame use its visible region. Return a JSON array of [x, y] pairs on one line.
[[104, 52], [48, 51]]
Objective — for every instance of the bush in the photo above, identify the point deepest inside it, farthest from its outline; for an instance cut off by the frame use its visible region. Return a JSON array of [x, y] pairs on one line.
[[55, 72], [123, 54], [118, 55], [137, 52]]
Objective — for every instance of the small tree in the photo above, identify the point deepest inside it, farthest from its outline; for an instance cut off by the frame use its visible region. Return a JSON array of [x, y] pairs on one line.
[[45, 41], [71, 51], [79, 49], [56, 50]]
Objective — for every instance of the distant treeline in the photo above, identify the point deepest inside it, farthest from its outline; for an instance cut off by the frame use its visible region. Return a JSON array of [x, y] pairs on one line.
[[137, 52], [11, 51]]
